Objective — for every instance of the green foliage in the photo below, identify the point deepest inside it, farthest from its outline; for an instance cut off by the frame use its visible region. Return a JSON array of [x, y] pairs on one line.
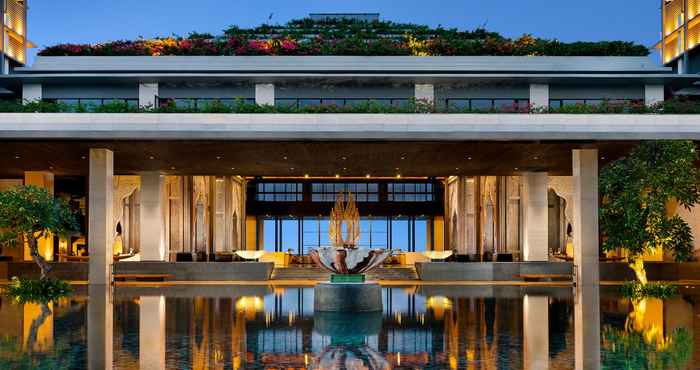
[[348, 37], [37, 291], [635, 193], [636, 291], [630, 350], [32, 212], [671, 106], [28, 213]]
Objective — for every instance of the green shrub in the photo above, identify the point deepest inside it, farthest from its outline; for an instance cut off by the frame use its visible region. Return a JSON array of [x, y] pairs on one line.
[[37, 291], [635, 290]]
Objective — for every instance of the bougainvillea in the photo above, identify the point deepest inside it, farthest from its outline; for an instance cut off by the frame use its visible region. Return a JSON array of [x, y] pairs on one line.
[[347, 37]]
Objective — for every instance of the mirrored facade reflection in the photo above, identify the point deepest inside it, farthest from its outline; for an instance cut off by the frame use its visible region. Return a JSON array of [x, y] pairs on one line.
[[264, 327]]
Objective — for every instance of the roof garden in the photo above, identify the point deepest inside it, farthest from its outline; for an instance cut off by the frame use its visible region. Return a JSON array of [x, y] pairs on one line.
[[330, 36]]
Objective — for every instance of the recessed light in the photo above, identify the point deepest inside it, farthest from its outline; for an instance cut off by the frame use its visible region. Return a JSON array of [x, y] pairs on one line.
[[345, 168], [516, 168], [367, 176], [18, 157], [397, 168], [51, 167], [218, 157], [469, 158], [151, 157], [233, 168], [291, 168], [83, 157], [344, 158], [285, 157], [337, 176], [456, 168], [172, 167], [535, 157], [403, 157], [398, 175], [306, 176]]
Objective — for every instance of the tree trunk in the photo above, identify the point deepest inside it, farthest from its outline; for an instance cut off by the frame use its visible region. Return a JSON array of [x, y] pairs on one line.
[[638, 267], [38, 259], [36, 324]]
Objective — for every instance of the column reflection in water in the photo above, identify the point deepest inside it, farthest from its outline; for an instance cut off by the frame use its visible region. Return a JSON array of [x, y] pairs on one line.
[[152, 333], [535, 332], [587, 327], [100, 327]]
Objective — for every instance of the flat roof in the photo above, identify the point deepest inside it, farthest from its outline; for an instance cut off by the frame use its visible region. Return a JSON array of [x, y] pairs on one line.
[[343, 64]]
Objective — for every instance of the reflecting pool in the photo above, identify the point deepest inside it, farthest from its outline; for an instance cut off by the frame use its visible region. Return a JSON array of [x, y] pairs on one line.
[[421, 327]]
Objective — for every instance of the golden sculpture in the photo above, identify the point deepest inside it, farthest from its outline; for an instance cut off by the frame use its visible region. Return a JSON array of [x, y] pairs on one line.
[[344, 214]]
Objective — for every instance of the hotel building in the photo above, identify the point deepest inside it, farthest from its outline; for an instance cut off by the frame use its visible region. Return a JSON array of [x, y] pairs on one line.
[[13, 34], [175, 188]]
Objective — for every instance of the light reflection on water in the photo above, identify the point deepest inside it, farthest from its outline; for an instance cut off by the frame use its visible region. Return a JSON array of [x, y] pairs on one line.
[[261, 327]]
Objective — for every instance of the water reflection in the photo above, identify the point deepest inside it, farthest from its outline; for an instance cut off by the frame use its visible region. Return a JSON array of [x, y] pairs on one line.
[[426, 327]]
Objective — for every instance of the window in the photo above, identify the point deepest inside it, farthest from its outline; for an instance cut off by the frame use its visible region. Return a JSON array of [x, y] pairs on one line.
[[410, 192], [94, 102], [341, 102], [279, 192], [460, 104], [561, 103], [326, 192]]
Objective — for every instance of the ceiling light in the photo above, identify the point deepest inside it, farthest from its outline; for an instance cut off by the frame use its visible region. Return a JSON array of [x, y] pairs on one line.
[[337, 176], [285, 157], [306, 176], [151, 157], [367, 176], [398, 175], [218, 157], [18, 157], [469, 158]]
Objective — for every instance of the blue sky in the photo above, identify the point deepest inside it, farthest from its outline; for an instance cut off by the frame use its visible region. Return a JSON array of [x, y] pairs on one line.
[[56, 21]]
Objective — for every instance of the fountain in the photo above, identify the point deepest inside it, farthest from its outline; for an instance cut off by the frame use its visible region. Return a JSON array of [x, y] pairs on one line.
[[347, 290]]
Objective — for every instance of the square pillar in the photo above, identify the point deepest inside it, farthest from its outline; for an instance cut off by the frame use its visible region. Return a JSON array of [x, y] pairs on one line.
[[539, 96], [585, 234], [265, 94], [653, 94], [148, 94], [100, 216], [152, 233], [425, 92], [32, 93], [535, 332], [100, 327], [152, 333], [535, 217]]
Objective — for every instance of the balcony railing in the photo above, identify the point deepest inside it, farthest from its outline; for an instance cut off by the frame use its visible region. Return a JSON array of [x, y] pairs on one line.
[[341, 102]]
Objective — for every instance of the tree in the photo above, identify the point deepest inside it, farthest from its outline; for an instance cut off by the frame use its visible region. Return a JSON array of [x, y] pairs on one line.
[[636, 191], [28, 213]]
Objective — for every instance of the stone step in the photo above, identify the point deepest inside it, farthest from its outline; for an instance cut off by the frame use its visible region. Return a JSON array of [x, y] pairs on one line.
[[317, 274]]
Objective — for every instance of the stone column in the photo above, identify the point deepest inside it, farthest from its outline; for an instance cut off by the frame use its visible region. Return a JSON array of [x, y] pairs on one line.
[[152, 333], [265, 94], [535, 332], [535, 217], [539, 95], [100, 327], [585, 233], [100, 215], [152, 234], [148, 93], [653, 94], [45, 180], [425, 92], [32, 93]]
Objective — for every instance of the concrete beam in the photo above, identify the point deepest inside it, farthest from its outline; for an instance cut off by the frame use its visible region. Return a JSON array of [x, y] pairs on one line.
[[152, 234], [539, 95], [535, 217], [148, 93], [439, 127], [32, 93], [653, 94], [265, 94], [586, 269], [100, 205]]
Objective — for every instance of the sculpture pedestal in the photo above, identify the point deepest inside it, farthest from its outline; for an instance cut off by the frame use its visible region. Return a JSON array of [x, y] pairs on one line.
[[347, 297]]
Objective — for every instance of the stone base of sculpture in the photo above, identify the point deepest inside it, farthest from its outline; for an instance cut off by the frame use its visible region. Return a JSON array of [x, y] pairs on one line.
[[347, 297]]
